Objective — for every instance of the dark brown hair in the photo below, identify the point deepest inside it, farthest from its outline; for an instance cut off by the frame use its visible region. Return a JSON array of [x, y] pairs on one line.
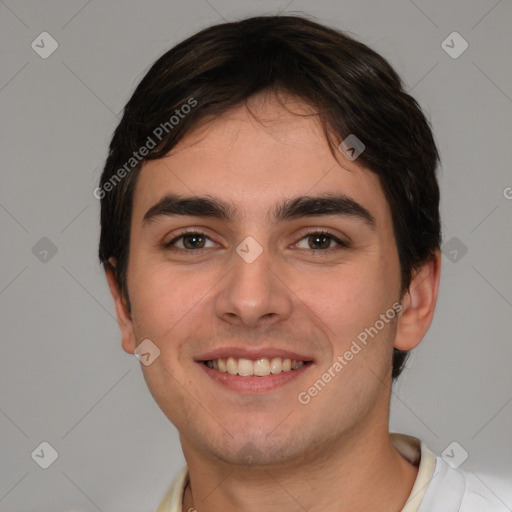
[[353, 89]]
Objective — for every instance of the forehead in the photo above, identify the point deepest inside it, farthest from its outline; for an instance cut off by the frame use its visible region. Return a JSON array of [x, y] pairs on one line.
[[255, 156]]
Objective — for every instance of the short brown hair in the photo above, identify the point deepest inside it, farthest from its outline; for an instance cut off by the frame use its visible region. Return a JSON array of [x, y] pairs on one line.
[[353, 88]]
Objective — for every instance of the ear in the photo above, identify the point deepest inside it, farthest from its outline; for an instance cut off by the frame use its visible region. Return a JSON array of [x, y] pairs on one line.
[[124, 318], [418, 305]]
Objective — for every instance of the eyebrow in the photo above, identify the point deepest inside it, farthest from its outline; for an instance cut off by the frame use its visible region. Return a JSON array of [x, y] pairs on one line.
[[293, 208]]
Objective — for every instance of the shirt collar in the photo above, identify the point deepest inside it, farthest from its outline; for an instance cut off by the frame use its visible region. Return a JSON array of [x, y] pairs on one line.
[[411, 448]]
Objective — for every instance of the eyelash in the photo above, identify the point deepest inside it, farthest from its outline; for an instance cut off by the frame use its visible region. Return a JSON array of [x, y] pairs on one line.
[[319, 252]]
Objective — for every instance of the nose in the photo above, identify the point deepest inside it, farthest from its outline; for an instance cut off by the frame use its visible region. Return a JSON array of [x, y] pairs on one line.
[[254, 293]]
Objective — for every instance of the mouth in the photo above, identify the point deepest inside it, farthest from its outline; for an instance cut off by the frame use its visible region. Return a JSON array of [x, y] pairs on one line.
[[254, 376], [261, 367]]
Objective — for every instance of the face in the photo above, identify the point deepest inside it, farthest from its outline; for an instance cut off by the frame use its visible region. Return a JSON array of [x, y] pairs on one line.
[[265, 280]]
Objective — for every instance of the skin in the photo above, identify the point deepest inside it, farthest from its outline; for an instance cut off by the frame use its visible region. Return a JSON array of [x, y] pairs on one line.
[[327, 454]]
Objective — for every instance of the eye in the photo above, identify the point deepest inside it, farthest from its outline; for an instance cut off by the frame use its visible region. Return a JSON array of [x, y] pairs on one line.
[[188, 241], [320, 241]]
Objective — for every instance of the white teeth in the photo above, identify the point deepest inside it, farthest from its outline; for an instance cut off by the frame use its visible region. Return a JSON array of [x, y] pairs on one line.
[[276, 365], [222, 365], [261, 367], [245, 367], [232, 365]]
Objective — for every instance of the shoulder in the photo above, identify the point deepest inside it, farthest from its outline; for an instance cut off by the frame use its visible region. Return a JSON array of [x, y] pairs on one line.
[[173, 499], [457, 490]]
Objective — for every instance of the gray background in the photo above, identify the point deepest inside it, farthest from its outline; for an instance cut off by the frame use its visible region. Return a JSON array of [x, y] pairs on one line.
[[64, 378]]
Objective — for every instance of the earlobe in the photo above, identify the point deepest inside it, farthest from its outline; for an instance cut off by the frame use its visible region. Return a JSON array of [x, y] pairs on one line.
[[124, 319], [418, 305]]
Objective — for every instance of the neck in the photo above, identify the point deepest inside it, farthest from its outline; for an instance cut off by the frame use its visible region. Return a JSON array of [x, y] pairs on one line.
[[346, 476]]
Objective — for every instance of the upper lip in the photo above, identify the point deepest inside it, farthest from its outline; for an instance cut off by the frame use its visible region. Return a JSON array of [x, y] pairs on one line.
[[246, 353]]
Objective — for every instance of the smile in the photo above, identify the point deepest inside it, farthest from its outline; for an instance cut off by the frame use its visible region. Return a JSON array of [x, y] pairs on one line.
[[260, 367]]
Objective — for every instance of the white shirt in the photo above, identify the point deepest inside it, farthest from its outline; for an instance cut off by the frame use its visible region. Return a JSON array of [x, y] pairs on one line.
[[437, 488]]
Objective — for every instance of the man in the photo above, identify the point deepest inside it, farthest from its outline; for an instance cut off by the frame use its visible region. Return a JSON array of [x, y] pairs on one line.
[[270, 235]]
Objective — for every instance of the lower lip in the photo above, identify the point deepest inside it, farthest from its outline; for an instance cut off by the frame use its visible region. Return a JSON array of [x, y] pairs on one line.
[[254, 384]]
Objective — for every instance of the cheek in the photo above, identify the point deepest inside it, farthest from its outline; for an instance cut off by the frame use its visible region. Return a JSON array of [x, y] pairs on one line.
[[346, 299], [162, 298]]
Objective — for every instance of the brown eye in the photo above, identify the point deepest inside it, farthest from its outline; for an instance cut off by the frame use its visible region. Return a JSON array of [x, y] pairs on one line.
[[193, 241], [321, 241], [188, 241]]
